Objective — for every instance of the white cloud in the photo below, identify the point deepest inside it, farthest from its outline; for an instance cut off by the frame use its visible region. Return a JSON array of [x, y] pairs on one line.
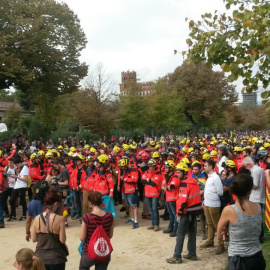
[[138, 35]]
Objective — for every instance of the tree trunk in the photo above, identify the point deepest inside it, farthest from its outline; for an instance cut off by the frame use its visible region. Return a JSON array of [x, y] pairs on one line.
[[195, 125]]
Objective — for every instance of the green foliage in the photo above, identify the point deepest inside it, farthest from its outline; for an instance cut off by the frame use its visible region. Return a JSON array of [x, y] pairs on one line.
[[13, 118], [36, 130], [41, 42], [72, 124], [238, 42], [7, 96], [7, 135], [55, 135], [265, 249], [84, 135]]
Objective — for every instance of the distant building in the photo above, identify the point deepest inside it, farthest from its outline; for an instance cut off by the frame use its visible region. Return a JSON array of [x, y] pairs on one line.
[[250, 99], [145, 88], [5, 106]]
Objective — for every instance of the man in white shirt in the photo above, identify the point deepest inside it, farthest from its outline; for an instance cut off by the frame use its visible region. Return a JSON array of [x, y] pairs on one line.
[[258, 193], [213, 189], [19, 190]]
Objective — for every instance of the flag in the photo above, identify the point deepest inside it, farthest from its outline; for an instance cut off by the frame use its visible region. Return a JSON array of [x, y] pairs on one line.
[[267, 208]]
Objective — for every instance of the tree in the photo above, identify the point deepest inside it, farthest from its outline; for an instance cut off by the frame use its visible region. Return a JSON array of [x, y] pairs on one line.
[[204, 94], [13, 118], [134, 110], [7, 96], [234, 116], [254, 117], [238, 42], [40, 46]]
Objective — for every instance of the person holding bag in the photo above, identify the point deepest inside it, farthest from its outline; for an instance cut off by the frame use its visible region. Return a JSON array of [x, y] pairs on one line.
[[48, 231], [96, 230]]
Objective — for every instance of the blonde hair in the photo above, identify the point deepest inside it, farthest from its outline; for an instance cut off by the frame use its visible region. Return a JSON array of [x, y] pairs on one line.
[[26, 257]]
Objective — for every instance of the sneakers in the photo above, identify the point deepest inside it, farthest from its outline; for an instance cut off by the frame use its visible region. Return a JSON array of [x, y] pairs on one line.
[[66, 224], [172, 234], [12, 218], [135, 225], [207, 244], [156, 228], [130, 221], [189, 257], [150, 227], [219, 250], [174, 260], [22, 218]]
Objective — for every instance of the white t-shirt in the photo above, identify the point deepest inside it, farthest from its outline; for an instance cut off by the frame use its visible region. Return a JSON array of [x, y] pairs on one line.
[[258, 195], [220, 168], [213, 189], [11, 181], [20, 183]]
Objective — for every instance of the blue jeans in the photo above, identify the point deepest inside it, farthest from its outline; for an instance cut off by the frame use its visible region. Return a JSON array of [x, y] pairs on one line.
[[1, 210], [153, 208], [186, 226], [173, 225], [77, 203]]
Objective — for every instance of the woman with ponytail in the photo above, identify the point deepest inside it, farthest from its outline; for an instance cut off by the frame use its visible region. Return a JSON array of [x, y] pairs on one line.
[[244, 219], [25, 259], [49, 232]]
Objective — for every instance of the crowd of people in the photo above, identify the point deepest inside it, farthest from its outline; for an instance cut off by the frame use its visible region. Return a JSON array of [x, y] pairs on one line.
[[212, 185]]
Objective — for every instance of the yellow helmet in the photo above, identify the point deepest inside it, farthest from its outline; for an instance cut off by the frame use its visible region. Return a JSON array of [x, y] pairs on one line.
[[87, 147], [72, 149], [152, 143], [230, 163], [122, 162], [254, 140], [125, 147], [78, 157], [182, 167], [49, 148], [213, 153], [49, 155], [34, 155], [206, 156], [152, 162], [266, 145], [190, 149], [196, 162], [169, 163], [90, 158], [102, 159], [60, 147], [92, 150], [155, 155], [261, 148], [184, 161], [184, 149], [41, 152], [116, 149]]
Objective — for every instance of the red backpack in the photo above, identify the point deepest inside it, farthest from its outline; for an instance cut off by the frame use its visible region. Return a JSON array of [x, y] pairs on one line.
[[99, 247]]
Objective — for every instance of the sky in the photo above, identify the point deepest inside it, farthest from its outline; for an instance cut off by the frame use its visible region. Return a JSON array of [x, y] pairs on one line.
[[139, 35]]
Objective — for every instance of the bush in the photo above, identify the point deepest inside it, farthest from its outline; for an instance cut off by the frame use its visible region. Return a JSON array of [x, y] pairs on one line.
[[55, 135], [84, 135], [7, 135]]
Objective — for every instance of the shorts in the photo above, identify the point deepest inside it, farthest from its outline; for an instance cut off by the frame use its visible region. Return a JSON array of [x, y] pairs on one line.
[[132, 199]]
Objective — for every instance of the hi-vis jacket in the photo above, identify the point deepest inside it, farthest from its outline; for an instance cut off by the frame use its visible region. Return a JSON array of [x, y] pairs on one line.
[[74, 179], [189, 198], [34, 172], [171, 183], [153, 187], [89, 183], [130, 179], [104, 182]]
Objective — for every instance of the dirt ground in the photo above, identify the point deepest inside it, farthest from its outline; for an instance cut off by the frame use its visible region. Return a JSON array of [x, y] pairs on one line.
[[138, 249]]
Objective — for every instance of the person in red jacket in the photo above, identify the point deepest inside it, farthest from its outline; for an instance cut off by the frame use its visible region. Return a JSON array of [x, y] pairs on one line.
[[34, 168], [152, 179], [170, 186], [129, 188], [103, 179], [2, 224], [188, 206], [78, 177]]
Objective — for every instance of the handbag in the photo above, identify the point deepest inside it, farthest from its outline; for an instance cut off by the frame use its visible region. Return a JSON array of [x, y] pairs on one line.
[[55, 239]]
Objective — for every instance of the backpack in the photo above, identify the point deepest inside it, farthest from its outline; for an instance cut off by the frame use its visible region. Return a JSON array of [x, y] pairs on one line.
[[99, 247], [5, 182]]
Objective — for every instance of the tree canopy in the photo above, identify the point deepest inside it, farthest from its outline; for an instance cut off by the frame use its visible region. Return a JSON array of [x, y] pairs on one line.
[[40, 46], [237, 41]]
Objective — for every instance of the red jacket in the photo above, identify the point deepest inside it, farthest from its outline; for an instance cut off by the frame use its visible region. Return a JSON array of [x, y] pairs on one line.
[[104, 182], [189, 197], [34, 172], [74, 177], [171, 183], [130, 179], [1, 179], [153, 187], [89, 183]]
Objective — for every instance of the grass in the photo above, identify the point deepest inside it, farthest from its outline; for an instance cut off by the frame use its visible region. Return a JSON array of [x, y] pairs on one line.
[[266, 250]]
